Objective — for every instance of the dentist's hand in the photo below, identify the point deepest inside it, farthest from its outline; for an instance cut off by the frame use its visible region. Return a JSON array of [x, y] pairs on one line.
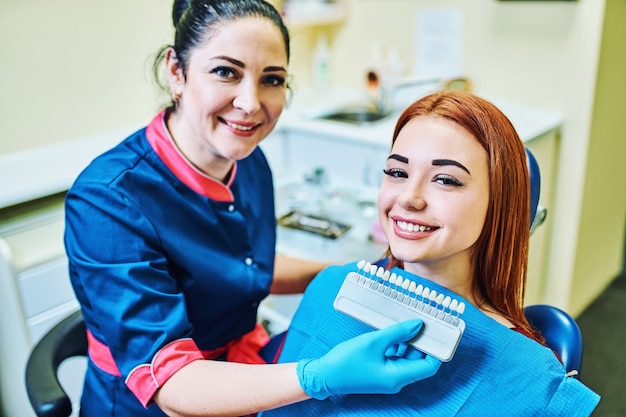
[[361, 365]]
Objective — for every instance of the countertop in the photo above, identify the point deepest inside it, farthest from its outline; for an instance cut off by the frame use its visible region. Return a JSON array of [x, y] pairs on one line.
[[301, 115]]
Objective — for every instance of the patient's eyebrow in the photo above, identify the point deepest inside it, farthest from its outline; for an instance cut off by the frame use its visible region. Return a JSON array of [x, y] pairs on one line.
[[399, 158], [443, 162]]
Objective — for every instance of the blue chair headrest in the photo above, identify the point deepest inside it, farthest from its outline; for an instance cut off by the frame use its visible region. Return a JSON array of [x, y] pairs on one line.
[[535, 184]]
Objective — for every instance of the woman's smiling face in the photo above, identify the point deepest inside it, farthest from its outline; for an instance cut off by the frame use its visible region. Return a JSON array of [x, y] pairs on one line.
[[434, 197], [232, 93]]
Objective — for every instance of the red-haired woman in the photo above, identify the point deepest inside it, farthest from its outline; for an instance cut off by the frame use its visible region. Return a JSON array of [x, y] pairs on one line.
[[454, 207]]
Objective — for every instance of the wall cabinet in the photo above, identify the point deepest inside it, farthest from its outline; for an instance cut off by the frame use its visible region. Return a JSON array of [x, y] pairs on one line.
[[35, 294], [312, 12]]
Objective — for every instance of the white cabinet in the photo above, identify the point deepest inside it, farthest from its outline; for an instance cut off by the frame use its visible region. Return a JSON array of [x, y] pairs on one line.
[[312, 12], [35, 293]]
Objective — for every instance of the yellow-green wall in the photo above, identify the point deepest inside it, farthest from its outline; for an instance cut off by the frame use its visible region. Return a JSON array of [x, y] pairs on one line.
[[74, 68], [600, 241]]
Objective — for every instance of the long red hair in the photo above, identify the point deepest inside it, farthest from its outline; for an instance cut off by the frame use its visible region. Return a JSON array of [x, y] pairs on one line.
[[500, 257]]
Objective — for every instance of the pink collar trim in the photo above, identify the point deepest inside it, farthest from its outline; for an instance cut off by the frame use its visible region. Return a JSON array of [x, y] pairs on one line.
[[163, 144]]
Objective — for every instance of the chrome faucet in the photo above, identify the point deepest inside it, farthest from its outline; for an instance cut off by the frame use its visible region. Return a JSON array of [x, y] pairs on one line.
[[382, 100]]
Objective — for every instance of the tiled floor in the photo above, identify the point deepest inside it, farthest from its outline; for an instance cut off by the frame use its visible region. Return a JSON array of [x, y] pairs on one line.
[[603, 325]]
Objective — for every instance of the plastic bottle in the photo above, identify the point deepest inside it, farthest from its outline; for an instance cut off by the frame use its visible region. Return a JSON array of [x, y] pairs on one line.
[[373, 70], [321, 63]]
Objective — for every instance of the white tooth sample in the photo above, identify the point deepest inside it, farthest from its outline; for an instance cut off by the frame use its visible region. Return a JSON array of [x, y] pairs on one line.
[[413, 288], [419, 290], [373, 270], [361, 264], [426, 293], [440, 298], [380, 273], [432, 296], [446, 302], [453, 305], [386, 275], [367, 268], [461, 308], [392, 278], [406, 284]]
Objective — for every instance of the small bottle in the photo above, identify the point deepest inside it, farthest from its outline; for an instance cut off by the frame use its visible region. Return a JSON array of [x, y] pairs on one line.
[[321, 63], [373, 72]]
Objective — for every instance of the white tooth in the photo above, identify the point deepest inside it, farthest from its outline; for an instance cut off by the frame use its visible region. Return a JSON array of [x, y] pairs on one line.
[[392, 278], [419, 289], [461, 308], [410, 227], [240, 127], [380, 272]]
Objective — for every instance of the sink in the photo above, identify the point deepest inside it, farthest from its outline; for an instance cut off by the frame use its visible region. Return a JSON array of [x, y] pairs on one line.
[[355, 115]]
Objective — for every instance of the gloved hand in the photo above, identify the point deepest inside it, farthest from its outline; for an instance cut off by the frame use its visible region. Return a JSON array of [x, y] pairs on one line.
[[362, 365]]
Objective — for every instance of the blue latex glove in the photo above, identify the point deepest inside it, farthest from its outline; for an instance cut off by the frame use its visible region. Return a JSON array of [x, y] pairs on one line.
[[363, 365]]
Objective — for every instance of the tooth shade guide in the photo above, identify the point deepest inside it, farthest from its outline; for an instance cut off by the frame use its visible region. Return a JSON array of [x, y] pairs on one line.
[[375, 296]]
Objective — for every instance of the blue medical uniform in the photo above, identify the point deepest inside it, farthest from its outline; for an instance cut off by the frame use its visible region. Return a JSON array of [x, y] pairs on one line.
[[167, 264]]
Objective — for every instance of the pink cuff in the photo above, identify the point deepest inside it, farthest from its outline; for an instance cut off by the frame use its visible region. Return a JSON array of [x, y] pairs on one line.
[[146, 379]]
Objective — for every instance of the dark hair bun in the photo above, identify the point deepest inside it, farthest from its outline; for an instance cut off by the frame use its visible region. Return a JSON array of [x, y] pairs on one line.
[[178, 9]]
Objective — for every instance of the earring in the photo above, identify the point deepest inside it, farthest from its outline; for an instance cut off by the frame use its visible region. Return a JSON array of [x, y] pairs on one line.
[[176, 95]]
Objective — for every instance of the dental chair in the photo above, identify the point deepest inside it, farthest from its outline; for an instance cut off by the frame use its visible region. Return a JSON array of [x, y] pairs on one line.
[[68, 338]]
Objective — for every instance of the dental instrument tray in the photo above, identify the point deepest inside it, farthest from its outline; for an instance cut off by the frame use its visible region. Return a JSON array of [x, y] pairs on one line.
[[379, 298], [315, 224]]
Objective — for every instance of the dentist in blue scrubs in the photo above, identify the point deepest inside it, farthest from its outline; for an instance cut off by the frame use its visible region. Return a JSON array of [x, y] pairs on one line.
[[171, 238]]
